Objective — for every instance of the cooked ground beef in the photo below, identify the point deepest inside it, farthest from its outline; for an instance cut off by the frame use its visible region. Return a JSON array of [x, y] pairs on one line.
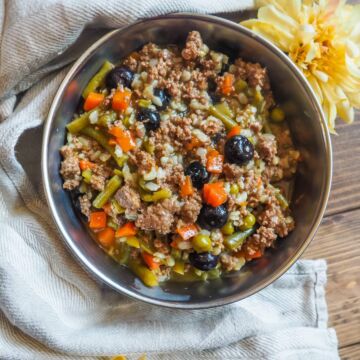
[[70, 171], [267, 147], [232, 172], [128, 198], [159, 217], [193, 46], [191, 208]]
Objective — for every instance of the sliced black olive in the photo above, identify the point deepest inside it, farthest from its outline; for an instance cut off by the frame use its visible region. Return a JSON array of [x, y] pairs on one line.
[[119, 75], [164, 97], [224, 68], [238, 150], [203, 261], [150, 118], [198, 174], [212, 217]]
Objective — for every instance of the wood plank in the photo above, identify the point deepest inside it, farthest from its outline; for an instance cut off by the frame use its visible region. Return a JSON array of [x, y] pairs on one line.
[[350, 352], [345, 190], [338, 241]]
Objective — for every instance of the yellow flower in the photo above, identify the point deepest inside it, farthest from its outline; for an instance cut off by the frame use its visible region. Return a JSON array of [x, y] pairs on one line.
[[323, 39]]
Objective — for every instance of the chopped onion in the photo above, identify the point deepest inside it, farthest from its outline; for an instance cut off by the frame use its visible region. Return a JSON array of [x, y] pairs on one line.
[[94, 117]]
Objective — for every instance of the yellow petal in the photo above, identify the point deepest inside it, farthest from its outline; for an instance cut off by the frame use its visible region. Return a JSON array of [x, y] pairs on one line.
[[320, 75], [314, 84], [345, 111], [330, 114], [277, 18], [282, 39]]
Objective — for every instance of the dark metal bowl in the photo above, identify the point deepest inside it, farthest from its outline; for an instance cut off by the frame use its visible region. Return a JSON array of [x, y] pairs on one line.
[[308, 128]]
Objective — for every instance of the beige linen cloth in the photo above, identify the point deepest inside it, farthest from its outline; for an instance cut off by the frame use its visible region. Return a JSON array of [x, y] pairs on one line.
[[49, 307]]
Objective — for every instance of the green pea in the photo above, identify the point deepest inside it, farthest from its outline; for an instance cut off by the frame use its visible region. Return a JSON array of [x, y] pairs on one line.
[[201, 243], [240, 85], [228, 228], [234, 189], [277, 115], [248, 222]]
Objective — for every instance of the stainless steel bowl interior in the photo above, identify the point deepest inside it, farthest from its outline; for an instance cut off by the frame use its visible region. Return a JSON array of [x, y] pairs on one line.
[[308, 130]]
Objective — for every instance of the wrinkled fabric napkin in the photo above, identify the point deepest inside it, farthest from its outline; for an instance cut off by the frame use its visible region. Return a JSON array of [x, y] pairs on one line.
[[49, 307]]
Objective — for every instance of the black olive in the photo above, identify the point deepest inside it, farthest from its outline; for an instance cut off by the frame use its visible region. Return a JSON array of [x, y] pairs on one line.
[[215, 98], [203, 261], [213, 217], [150, 118], [198, 174], [216, 138], [119, 75], [238, 150], [164, 96], [224, 68]]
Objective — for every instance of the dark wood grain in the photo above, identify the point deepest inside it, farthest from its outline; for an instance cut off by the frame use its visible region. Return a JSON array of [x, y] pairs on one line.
[[338, 241], [350, 352], [345, 190]]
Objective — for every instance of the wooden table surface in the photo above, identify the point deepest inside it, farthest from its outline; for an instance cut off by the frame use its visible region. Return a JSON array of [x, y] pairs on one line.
[[338, 240]]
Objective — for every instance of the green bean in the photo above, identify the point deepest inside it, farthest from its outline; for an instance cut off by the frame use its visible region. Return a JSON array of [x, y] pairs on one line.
[[97, 80], [133, 241], [146, 247], [107, 118], [79, 123], [86, 174], [122, 253], [110, 188], [179, 267], [103, 139], [145, 275], [117, 208], [227, 121], [156, 196], [282, 201], [224, 109], [234, 241]]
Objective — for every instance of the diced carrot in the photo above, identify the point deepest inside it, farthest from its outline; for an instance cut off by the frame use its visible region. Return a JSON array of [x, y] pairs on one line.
[[227, 85], [86, 164], [257, 254], [97, 220], [234, 131], [106, 237], [149, 261], [194, 143], [215, 161], [128, 229], [188, 231], [112, 142], [123, 138], [186, 188], [121, 100], [215, 194], [93, 100], [107, 208]]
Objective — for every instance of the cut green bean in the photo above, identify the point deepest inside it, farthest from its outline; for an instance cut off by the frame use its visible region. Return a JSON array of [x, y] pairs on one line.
[[103, 139], [282, 201], [106, 119], [86, 174], [234, 241], [122, 253], [79, 123], [145, 275], [110, 188], [226, 120], [98, 79], [224, 109], [156, 196]]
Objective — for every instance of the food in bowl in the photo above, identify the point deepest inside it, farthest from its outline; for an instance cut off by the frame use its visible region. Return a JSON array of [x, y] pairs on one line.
[[181, 162]]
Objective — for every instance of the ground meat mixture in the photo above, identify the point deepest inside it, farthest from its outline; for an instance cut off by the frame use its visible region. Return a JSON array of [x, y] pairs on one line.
[[182, 152], [193, 46], [128, 198], [159, 217], [191, 208]]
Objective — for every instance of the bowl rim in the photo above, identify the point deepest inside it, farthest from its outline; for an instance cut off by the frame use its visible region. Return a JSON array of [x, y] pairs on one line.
[[87, 265]]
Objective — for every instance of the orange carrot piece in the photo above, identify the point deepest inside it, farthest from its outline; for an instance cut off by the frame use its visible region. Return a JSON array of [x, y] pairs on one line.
[[186, 188], [123, 138], [227, 85], [93, 100], [188, 231], [107, 208], [256, 255], [121, 100], [128, 229], [215, 162], [97, 220], [86, 164], [106, 237], [234, 131], [194, 143], [112, 142], [149, 261], [215, 194]]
